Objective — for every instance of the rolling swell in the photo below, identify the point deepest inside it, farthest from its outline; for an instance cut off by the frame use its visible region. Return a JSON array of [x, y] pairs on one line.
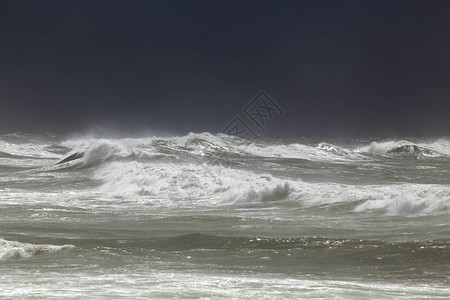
[[294, 255], [194, 241]]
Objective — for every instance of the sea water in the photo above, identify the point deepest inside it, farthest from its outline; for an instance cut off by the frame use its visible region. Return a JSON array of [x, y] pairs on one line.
[[214, 216]]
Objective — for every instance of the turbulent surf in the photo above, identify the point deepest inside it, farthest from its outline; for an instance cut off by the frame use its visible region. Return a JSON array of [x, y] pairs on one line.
[[204, 215]]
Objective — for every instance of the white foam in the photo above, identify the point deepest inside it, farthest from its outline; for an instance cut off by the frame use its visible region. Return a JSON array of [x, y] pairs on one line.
[[14, 249], [177, 183], [190, 185], [100, 149], [200, 144], [185, 184], [144, 281], [403, 199], [26, 150], [321, 152], [440, 146]]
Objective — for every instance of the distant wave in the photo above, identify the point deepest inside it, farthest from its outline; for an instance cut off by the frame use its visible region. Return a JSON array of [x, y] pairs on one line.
[[89, 151], [204, 145], [177, 171], [197, 146], [26, 150], [437, 148], [15, 250]]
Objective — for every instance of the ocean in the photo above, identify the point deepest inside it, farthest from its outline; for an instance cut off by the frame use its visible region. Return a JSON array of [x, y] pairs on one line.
[[207, 216]]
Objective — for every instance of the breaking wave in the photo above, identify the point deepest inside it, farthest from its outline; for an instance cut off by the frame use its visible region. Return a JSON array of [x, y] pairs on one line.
[[200, 146], [16, 250], [204, 146], [438, 148], [214, 184], [193, 185], [321, 152], [177, 171], [26, 150], [88, 151]]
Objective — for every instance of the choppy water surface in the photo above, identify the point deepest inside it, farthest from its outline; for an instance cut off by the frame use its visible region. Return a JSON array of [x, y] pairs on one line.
[[204, 216]]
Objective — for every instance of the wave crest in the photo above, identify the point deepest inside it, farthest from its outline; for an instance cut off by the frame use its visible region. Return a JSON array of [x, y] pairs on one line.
[[174, 185], [438, 148], [198, 183], [16, 250]]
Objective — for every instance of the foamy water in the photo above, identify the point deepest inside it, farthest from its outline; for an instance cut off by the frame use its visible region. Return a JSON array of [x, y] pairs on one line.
[[207, 215]]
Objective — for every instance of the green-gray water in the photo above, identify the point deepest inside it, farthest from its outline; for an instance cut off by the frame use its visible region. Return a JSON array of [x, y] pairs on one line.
[[206, 216]]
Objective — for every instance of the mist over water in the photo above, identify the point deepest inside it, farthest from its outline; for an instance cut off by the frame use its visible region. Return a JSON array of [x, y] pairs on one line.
[[207, 215]]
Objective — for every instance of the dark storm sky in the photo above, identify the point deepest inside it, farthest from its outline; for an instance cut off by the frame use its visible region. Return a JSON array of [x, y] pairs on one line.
[[335, 67]]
